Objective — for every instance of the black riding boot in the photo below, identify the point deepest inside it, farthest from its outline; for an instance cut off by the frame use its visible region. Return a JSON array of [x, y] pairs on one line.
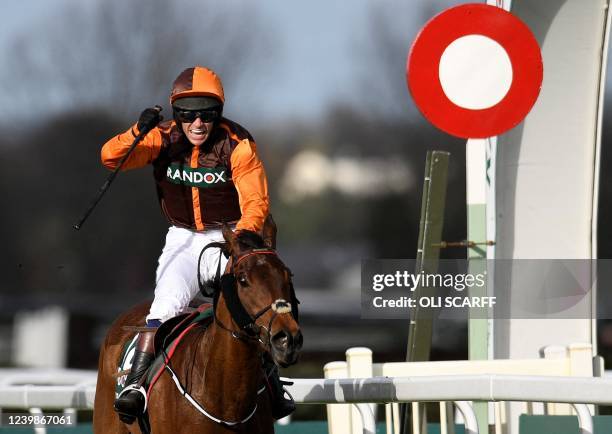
[[131, 402], [281, 402]]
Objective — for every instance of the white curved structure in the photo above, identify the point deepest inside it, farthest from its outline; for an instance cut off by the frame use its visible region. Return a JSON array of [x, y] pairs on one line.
[[547, 168]]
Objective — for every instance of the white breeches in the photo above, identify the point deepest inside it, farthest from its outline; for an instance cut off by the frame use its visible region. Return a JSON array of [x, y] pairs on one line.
[[176, 277]]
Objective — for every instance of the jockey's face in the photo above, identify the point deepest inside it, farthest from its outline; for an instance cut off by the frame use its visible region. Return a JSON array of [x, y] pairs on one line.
[[197, 131]]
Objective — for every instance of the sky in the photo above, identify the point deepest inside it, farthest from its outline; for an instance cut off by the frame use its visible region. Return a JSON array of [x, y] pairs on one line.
[[319, 41], [320, 54], [320, 47]]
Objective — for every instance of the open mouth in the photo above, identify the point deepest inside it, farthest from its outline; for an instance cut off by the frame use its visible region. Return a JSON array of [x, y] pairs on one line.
[[198, 132]]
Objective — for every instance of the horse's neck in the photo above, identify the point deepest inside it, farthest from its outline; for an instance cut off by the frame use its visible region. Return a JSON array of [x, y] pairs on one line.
[[231, 371]]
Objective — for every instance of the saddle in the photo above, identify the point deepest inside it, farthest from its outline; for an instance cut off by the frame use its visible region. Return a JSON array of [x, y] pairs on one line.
[[167, 337], [172, 328]]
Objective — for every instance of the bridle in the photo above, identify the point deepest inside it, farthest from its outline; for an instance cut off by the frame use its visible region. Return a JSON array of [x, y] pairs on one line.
[[263, 251], [249, 328]]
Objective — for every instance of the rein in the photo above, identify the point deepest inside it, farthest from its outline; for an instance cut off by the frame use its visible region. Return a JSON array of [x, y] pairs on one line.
[[249, 329], [222, 251], [202, 410]]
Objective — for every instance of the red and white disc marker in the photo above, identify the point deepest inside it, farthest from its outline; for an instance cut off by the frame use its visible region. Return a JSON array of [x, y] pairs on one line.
[[475, 71]]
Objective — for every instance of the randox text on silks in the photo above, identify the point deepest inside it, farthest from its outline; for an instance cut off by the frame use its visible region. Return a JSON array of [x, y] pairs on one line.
[[197, 177]]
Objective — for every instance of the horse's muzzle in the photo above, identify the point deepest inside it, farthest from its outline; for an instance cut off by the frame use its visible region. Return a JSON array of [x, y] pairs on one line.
[[285, 347]]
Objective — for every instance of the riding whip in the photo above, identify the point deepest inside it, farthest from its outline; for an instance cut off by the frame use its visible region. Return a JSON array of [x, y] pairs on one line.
[[113, 175]]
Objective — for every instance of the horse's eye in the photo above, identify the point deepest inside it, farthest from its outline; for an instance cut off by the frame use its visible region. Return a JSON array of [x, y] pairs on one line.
[[243, 280]]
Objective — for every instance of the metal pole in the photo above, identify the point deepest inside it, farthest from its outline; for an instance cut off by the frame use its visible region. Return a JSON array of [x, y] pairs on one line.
[[428, 253], [478, 322]]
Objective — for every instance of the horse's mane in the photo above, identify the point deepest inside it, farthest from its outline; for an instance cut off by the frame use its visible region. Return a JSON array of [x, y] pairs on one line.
[[250, 240]]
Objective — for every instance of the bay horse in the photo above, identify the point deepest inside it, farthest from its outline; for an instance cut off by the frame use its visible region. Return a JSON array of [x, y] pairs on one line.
[[220, 366]]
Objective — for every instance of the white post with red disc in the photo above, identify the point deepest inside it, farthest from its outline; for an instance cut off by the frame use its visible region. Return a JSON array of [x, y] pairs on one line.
[[476, 71]]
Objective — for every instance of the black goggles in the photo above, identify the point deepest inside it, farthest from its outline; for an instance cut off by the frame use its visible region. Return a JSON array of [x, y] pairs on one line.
[[191, 115]]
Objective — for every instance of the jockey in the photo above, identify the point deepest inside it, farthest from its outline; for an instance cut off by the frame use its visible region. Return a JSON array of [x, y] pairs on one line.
[[207, 173]]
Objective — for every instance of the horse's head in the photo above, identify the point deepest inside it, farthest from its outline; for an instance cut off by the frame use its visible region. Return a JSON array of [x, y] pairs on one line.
[[259, 294]]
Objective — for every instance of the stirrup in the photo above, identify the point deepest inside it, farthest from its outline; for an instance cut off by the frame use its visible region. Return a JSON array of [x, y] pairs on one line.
[[284, 391], [286, 381], [138, 389], [283, 404]]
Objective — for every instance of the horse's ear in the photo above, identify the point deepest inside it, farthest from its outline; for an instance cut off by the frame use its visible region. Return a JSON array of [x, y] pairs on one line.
[[269, 232], [230, 238]]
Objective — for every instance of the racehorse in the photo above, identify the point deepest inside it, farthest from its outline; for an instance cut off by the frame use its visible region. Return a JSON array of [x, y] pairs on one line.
[[220, 366]]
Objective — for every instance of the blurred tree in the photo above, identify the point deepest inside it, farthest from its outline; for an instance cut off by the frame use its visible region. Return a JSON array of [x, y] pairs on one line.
[[386, 223], [123, 56], [86, 72], [404, 131], [379, 121], [393, 26], [48, 181]]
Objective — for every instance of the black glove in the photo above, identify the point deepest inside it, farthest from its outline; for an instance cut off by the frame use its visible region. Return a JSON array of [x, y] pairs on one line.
[[149, 119]]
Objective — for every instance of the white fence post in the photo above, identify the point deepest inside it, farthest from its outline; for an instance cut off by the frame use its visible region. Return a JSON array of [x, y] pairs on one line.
[[359, 365], [338, 415], [40, 338]]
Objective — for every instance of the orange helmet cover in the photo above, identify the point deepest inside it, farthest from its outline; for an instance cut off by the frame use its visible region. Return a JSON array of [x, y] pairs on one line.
[[197, 81]]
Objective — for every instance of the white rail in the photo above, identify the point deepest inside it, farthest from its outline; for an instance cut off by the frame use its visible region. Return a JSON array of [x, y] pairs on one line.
[[483, 387], [20, 391]]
